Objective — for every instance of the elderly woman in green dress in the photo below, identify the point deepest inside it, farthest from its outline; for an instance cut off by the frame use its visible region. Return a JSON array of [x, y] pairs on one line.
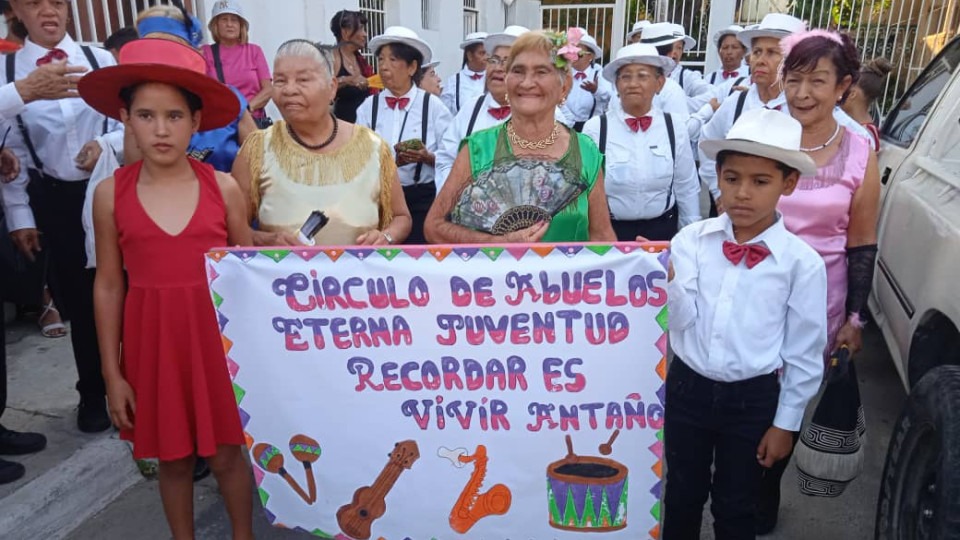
[[530, 179]]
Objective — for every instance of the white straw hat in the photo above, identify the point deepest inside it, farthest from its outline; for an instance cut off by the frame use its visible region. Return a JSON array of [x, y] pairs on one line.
[[591, 44], [505, 38], [732, 30], [473, 38], [638, 28], [636, 53], [658, 34], [765, 133], [774, 25], [400, 34]]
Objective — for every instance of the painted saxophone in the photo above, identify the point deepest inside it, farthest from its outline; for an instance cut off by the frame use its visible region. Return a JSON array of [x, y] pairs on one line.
[[472, 505]]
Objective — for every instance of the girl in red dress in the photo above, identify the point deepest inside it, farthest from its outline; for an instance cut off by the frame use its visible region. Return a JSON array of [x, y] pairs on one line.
[[167, 382]]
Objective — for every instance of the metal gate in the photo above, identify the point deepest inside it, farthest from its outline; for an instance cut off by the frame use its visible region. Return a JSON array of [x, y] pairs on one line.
[[94, 20], [596, 17]]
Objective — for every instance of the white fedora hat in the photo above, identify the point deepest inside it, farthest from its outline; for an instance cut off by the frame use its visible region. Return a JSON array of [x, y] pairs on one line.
[[638, 28], [399, 34], [773, 25], [473, 38], [637, 53], [591, 44], [429, 65], [732, 30], [658, 34], [765, 133], [505, 38]]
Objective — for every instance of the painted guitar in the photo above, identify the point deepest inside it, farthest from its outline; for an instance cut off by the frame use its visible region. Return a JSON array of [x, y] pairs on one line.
[[368, 502], [472, 506]]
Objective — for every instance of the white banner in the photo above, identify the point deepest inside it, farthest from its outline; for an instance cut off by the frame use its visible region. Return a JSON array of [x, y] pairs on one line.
[[433, 393]]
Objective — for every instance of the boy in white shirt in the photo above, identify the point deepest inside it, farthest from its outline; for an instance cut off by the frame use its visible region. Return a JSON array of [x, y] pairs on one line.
[[748, 324]]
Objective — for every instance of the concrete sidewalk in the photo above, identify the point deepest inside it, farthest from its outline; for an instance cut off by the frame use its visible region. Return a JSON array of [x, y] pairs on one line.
[[77, 475]]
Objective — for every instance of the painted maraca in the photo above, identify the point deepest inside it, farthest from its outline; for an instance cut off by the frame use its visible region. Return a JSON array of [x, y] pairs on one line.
[[271, 460], [306, 451]]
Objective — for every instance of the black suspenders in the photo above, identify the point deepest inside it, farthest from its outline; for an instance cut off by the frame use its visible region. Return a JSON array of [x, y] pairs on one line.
[[21, 127], [423, 127], [476, 113], [458, 91], [673, 148]]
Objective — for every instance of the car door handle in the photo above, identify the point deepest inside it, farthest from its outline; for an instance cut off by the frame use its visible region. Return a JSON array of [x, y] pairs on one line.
[[886, 176]]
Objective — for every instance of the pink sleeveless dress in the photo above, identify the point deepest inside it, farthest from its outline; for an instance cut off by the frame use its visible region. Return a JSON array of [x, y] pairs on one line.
[[818, 211], [172, 353]]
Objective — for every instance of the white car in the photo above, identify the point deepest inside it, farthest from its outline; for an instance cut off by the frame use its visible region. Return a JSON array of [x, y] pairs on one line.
[[916, 303]]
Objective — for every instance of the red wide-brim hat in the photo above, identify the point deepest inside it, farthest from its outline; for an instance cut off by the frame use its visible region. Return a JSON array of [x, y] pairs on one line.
[[160, 61]]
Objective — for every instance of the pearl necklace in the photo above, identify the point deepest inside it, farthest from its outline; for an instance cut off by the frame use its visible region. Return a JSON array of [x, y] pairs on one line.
[[824, 145]]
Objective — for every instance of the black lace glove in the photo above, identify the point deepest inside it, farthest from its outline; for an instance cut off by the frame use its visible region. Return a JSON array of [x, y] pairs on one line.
[[860, 265]]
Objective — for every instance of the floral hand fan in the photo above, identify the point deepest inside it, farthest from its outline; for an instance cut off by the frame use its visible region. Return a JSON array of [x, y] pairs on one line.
[[516, 194]]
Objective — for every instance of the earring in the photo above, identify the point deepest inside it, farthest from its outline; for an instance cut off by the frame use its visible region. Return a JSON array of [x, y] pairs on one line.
[[563, 101], [507, 98]]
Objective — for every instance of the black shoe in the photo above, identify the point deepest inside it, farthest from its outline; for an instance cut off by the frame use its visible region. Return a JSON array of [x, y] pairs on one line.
[[14, 443], [92, 415], [201, 469], [10, 471]]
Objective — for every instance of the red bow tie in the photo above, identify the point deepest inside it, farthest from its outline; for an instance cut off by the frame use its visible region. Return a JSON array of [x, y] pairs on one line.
[[55, 55], [755, 253], [392, 102], [580, 75], [476, 76], [728, 74], [500, 113], [777, 108], [636, 124]]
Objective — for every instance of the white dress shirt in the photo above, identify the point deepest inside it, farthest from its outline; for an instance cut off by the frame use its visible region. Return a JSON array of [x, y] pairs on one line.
[[722, 121], [730, 323], [698, 91], [715, 78], [583, 105], [397, 125], [469, 89], [639, 169], [457, 131], [57, 128]]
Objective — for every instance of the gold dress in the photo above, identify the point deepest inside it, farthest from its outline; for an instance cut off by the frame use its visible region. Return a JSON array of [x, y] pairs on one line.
[[351, 185]]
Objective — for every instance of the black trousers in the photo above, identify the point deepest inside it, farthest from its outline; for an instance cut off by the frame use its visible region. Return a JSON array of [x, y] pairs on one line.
[[3, 354], [419, 199], [714, 424], [663, 228], [57, 208]]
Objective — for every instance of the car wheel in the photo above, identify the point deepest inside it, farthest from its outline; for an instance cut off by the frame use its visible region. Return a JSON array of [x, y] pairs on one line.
[[920, 489]]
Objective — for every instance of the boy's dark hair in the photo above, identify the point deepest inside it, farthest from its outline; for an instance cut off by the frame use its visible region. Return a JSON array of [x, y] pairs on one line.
[[784, 168], [664, 50], [408, 54], [121, 37], [194, 103]]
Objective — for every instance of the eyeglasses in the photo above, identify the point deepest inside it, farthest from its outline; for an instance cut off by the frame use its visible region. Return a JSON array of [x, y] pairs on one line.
[[630, 78], [496, 61]]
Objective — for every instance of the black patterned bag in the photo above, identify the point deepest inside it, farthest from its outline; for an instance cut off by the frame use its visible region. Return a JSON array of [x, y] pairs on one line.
[[830, 452]]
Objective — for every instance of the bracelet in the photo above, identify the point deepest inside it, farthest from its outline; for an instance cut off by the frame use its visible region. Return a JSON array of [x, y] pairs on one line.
[[387, 236]]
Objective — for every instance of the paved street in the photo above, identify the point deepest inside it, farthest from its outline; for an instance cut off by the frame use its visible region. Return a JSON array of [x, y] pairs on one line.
[[42, 398]]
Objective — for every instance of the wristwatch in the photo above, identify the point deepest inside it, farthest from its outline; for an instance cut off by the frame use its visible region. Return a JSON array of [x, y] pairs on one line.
[[387, 236]]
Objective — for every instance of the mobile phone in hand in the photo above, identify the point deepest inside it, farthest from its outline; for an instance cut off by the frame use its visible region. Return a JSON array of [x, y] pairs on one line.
[[311, 227]]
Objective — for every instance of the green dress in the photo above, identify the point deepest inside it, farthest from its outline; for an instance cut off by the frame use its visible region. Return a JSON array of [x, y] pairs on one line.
[[501, 180]]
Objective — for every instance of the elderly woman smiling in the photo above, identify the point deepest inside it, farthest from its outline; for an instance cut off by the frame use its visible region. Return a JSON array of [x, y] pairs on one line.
[[530, 179], [312, 161]]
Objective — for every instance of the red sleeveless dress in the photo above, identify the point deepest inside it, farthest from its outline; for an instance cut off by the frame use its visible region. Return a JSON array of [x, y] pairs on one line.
[[172, 354]]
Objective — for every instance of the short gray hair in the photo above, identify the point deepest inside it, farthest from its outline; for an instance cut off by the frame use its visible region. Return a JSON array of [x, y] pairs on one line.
[[302, 48]]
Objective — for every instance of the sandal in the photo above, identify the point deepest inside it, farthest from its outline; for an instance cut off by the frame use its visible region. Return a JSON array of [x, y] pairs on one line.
[[52, 330]]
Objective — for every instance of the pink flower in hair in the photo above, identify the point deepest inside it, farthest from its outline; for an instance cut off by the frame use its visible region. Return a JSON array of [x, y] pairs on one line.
[[571, 51], [788, 43]]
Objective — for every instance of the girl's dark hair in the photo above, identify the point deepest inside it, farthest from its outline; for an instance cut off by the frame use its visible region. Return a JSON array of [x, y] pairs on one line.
[[664, 50], [803, 57], [345, 19], [783, 167], [468, 50], [194, 103], [408, 54], [873, 78]]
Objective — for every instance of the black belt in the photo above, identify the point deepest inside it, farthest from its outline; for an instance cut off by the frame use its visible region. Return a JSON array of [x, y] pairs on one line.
[[746, 384], [46, 180]]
